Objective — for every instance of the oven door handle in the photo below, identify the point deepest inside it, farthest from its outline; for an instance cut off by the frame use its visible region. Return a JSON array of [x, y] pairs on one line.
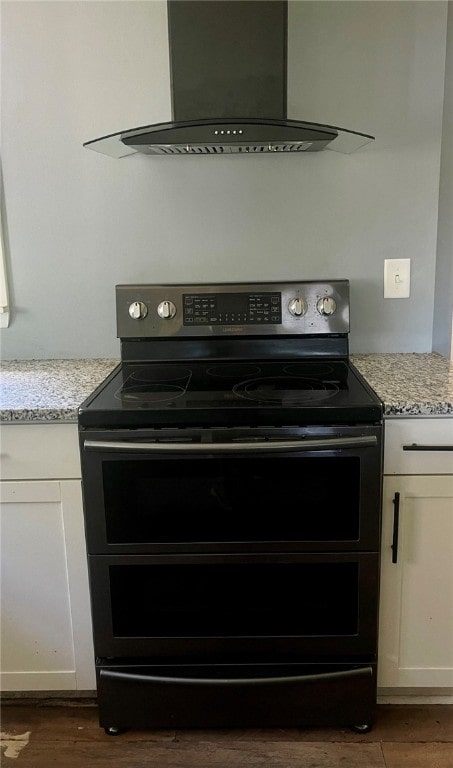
[[110, 674], [268, 446]]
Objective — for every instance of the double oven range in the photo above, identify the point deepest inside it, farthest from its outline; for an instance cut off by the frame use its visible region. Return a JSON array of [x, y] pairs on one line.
[[231, 471]]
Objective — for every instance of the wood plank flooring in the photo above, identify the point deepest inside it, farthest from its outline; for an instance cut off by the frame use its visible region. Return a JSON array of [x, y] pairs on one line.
[[50, 733]]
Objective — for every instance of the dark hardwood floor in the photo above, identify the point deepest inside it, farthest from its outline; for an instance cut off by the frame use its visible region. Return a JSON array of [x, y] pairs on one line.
[[48, 733]]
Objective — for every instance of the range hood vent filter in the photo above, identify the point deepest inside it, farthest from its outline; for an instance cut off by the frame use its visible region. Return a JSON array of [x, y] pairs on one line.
[[222, 149]]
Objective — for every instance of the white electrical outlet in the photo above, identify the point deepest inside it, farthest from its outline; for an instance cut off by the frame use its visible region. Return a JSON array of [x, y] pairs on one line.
[[397, 278]]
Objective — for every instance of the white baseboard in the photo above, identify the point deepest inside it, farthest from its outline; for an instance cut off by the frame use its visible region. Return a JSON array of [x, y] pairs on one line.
[[38, 681], [415, 696]]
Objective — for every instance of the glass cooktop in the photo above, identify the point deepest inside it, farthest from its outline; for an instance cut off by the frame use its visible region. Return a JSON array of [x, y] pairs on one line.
[[231, 393]]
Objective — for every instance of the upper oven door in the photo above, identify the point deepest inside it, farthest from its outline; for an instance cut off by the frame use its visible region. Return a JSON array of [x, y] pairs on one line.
[[317, 490]]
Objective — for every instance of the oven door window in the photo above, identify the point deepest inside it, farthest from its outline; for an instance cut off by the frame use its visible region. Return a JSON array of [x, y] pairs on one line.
[[240, 499], [234, 600]]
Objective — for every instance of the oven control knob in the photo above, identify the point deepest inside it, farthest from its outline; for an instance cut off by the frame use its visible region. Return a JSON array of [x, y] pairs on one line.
[[297, 307], [138, 310], [326, 306], [166, 310]]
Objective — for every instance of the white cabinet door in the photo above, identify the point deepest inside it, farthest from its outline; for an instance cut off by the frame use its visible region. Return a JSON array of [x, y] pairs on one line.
[[45, 627], [416, 604]]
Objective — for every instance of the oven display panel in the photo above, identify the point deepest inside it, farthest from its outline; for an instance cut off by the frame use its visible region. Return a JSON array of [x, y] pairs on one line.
[[232, 308]]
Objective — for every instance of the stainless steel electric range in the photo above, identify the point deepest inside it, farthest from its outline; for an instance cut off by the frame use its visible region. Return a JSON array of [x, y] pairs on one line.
[[231, 470]]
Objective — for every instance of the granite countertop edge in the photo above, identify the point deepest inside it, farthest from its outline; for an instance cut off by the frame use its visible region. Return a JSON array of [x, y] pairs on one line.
[[50, 391]]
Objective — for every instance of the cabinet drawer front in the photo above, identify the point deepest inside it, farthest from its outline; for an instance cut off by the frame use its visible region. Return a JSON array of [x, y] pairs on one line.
[[34, 493], [418, 446], [39, 451]]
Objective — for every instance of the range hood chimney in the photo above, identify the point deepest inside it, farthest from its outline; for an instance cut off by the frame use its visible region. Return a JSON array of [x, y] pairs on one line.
[[228, 68]]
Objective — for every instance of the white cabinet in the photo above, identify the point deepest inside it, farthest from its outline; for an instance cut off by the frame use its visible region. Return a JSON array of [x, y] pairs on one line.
[[46, 641], [416, 604]]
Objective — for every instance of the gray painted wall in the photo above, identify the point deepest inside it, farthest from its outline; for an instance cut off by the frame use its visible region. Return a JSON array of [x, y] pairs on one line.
[[79, 222], [443, 305]]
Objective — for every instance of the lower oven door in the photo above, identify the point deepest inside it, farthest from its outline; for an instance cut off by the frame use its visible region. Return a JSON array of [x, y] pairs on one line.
[[315, 489], [255, 606]]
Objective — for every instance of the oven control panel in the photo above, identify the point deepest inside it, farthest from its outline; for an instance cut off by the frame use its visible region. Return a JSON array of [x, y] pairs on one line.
[[231, 309]]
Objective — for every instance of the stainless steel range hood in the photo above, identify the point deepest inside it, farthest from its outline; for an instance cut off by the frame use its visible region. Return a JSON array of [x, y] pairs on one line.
[[228, 64]]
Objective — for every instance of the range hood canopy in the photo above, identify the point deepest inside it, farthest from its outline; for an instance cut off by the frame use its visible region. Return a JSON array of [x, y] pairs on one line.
[[228, 67]]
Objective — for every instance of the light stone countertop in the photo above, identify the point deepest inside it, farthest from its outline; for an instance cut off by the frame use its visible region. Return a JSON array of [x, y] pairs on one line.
[[51, 390], [48, 390], [410, 383]]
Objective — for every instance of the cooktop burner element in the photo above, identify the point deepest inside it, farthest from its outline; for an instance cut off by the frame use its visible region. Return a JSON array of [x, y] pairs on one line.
[[149, 394], [157, 384], [285, 391]]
